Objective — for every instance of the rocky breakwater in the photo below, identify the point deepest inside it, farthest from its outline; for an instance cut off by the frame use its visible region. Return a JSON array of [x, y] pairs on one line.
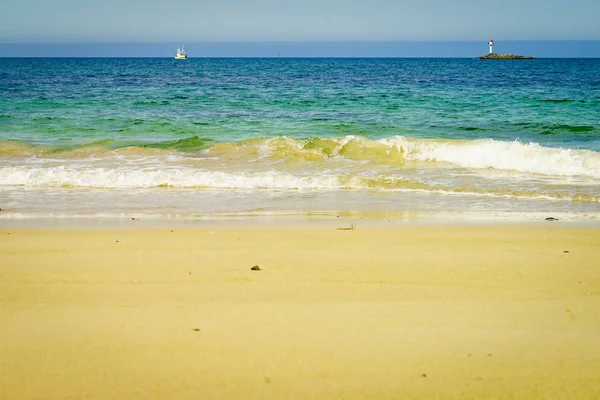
[[495, 56]]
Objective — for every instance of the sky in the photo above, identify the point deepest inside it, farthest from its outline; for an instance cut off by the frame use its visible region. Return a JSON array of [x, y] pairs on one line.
[[311, 21], [296, 20]]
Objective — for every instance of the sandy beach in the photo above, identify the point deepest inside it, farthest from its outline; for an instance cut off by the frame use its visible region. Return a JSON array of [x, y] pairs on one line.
[[416, 312]]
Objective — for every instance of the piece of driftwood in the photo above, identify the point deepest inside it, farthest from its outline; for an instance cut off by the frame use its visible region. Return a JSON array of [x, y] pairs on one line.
[[352, 227]]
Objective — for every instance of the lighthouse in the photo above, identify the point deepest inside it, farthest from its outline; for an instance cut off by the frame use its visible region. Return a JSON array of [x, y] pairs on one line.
[[497, 56]]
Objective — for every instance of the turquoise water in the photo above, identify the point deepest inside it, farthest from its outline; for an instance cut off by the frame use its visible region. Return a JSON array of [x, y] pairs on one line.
[[287, 135]]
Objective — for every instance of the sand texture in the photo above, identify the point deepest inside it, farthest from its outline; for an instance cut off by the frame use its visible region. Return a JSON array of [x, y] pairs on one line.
[[373, 313]]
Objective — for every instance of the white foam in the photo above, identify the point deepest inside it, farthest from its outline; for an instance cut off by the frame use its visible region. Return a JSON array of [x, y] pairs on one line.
[[489, 153], [180, 177], [130, 177]]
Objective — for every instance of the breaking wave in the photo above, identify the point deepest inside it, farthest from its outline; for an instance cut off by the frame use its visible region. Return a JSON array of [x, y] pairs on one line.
[[397, 152]]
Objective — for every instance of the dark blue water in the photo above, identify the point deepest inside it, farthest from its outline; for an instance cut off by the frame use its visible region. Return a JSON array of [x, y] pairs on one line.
[[553, 102]]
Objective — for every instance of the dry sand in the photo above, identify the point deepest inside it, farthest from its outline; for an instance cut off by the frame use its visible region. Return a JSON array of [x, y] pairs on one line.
[[375, 313]]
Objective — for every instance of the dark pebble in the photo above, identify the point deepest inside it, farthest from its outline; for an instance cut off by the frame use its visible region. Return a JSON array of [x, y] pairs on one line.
[[255, 268], [551, 219], [424, 375], [196, 329], [566, 251]]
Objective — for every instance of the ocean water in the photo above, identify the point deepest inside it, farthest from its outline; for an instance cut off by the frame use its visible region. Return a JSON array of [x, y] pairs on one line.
[[225, 137]]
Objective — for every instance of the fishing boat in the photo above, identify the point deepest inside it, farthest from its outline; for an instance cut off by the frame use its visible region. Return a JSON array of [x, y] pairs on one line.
[[181, 55]]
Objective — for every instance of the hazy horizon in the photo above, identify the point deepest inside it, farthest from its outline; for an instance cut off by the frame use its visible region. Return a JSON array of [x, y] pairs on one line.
[[294, 49]]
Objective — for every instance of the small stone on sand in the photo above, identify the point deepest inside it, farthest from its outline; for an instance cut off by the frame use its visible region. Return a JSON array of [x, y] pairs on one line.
[[255, 268]]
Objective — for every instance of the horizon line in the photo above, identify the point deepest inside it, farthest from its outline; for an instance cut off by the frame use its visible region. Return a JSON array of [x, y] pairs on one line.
[[292, 41], [297, 57], [297, 49]]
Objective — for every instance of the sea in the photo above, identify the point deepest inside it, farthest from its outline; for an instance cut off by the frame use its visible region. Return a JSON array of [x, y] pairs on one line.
[[404, 140]]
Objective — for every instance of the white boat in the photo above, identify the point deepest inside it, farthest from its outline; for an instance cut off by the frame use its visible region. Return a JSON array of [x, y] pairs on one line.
[[181, 55]]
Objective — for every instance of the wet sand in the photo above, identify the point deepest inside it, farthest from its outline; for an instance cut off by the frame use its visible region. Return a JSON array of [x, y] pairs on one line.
[[477, 312]]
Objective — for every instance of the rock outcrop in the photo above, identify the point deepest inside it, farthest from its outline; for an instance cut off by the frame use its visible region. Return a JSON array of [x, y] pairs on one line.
[[494, 56]]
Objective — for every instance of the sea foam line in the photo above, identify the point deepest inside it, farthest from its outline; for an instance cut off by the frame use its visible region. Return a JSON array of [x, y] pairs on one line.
[[139, 178]]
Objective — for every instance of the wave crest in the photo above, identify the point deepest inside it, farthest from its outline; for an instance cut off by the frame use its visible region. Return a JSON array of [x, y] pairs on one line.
[[395, 152]]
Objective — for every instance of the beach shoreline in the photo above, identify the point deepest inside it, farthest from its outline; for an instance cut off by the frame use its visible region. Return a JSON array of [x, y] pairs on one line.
[[413, 214], [322, 220], [453, 311]]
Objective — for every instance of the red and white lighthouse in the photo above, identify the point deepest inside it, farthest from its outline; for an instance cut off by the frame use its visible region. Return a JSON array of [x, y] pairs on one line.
[[491, 45]]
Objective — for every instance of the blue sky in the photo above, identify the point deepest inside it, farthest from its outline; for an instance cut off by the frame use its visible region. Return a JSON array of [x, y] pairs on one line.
[[311, 28], [296, 20]]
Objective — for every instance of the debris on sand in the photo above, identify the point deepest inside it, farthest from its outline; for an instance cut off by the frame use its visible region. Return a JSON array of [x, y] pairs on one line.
[[352, 227]]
